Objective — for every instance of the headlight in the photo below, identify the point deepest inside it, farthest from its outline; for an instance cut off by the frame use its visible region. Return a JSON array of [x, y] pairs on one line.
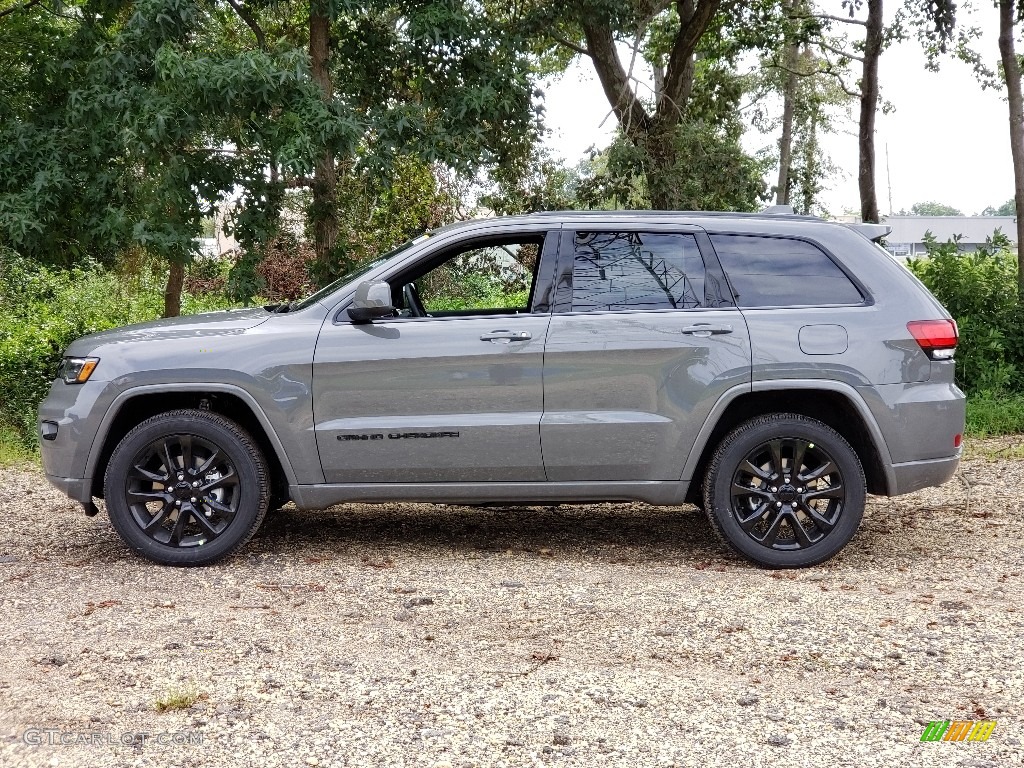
[[76, 370]]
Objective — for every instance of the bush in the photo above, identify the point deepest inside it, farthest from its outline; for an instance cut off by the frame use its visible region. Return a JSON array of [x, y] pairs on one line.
[[46, 309], [989, 415], [980, 291]]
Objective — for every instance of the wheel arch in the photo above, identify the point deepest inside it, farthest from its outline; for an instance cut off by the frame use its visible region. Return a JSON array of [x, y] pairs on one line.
[[135, 405], [833, 403]]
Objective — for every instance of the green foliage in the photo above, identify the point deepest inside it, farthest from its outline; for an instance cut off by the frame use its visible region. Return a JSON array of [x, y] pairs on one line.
[[712, 173], [12, 448], [47, 308], [932, 208], [478, 292], [378, 211], [482, 278], [1009, 208], [990, 415], [980, 291], [135, 120], [820, 106], [538, 182]]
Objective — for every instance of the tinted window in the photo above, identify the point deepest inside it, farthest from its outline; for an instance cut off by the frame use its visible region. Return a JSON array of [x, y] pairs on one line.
[[636, 270], [775, 271]]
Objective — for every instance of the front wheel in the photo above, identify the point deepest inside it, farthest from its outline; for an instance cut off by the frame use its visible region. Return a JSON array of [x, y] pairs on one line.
[[785, 491], [186, 487]]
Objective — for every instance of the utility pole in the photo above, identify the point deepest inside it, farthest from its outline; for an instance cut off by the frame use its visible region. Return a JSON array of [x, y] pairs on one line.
[[888, 176]]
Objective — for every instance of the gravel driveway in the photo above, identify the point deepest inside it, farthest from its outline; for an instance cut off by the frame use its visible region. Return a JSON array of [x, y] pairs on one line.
[[422, 635]]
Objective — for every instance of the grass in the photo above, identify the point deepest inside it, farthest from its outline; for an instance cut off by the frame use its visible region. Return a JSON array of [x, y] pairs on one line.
[[179, 698], [13, 451], [993, 416]]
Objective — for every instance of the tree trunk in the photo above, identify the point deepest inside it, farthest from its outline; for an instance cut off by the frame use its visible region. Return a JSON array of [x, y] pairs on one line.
[[808, 187], [868, 108], [172, 292], [788, 108], [324, 209], [1011, 69], [655, 134], [662, 157]]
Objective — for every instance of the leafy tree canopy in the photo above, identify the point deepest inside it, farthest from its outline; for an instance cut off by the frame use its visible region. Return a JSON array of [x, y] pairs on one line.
[[932, 208], [123, 123], [1006, 209]]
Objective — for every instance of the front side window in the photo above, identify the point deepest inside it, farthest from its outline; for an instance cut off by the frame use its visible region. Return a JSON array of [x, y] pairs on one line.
[[636, 270], [496, 276], [782, 272]]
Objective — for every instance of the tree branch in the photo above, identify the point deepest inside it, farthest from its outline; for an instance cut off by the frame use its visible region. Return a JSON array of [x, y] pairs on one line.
[[797, 72], [827, 17], [831, 70], [627, 107], [845, 54], [16, 8], [694, 19], [570, 44], [250, 21]]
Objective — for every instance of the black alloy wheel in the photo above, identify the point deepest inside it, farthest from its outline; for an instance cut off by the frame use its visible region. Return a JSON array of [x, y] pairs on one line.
[[785, 491], [186, 487]]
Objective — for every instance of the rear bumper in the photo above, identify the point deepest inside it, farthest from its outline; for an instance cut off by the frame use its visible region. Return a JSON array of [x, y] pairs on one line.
[[915, 475], [77, 488]]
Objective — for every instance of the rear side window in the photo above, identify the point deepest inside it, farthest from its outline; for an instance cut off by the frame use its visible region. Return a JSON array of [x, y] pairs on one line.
[[636, 270], [779, 272]]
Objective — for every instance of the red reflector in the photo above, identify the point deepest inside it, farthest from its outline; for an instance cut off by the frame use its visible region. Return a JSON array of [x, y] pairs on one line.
[[957, 440], [934, 334]]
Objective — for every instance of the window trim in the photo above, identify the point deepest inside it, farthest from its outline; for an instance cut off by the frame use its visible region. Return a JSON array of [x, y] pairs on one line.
[[867, 299], [540, 291]]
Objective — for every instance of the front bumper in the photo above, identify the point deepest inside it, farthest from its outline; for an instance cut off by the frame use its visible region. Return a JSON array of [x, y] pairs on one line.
[[69, 418]]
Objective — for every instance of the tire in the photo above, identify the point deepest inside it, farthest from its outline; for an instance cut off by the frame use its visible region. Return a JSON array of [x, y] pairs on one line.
[[206, 508], [810, 515]]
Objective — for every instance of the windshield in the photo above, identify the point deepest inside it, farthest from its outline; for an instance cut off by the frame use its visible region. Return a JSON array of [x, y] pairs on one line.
[[357, 271]]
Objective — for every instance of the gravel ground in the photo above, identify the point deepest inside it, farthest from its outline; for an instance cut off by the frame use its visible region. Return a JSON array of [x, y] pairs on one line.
[[423, 635]]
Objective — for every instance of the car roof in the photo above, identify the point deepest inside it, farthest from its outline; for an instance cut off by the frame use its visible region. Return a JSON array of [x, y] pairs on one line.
[[781, 220]]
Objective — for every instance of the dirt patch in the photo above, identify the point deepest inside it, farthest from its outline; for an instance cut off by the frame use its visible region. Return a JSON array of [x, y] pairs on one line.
[[609, 634]]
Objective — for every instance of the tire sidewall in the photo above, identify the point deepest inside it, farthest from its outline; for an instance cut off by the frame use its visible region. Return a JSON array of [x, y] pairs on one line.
[[251, 506], [739, 444]]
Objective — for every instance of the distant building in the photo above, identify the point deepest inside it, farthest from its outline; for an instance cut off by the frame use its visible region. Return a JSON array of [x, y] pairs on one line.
[[907, 236]]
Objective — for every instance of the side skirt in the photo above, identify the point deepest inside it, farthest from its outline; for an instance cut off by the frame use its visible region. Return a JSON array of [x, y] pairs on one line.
[[670, 493]]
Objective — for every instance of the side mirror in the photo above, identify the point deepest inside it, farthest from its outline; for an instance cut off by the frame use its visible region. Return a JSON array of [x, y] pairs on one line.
[[372, 301]]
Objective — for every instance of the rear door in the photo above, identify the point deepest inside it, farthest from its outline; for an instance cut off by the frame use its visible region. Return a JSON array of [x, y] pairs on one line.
[[808, 318], [644, 339]]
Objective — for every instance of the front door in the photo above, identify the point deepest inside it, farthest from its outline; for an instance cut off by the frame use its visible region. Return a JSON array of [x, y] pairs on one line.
[[451, 390]]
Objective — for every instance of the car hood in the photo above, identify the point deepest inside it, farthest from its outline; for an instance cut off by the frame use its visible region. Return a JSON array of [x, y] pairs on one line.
[[224, 322]]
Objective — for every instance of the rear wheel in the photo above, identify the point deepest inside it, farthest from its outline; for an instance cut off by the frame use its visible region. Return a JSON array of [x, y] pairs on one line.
[[785, 491], [186, 487]]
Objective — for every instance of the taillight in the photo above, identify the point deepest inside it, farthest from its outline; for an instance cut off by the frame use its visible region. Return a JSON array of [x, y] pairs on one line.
[[936, 337]]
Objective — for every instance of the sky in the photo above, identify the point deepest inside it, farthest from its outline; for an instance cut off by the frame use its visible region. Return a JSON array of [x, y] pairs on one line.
[[948, 140]]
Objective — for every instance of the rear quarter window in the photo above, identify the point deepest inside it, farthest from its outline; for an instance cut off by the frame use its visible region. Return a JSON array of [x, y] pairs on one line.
[[782, 272]]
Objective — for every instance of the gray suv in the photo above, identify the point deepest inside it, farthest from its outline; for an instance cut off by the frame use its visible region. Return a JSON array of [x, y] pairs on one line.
[[769, 368]]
